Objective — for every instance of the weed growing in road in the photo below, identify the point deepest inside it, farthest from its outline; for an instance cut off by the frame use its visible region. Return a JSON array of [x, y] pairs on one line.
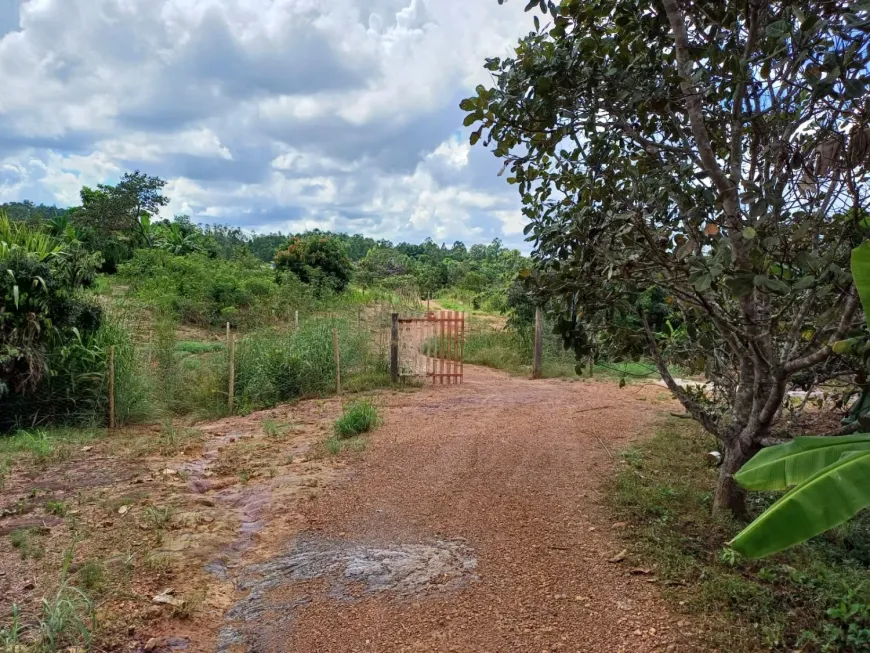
[[27, 542], [333, 446], [56, 507], [68, 619], [10, 637], [273, 429], [91, 576], [357, 418], [158, 517]]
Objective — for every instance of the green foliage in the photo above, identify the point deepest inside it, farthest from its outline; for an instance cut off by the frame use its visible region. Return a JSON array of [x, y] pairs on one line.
[[272, 367], [631, 131], [357, 418], [210, 292], [826, 499], [829, 475], [122, 212], [42, 305], [76, 391], [56, 507], [26, 540], [318, 260], [792, 600]]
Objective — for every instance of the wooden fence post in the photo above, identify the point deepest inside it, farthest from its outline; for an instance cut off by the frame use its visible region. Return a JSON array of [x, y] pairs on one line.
[[394, 349], [112, 387], [231, 353], [337, 352], [539, 344]]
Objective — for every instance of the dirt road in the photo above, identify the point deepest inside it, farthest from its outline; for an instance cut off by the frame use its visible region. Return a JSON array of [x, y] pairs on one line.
[[471, 524]]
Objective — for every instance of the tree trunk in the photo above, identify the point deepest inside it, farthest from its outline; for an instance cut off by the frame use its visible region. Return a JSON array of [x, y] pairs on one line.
[[729, 496]]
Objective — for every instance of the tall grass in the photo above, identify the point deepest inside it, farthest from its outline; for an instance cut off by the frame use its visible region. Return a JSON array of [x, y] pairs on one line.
[[272, 366], [76, 392], [513, 351]]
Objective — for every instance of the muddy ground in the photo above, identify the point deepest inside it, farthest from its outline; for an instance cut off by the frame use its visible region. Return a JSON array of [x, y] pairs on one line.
[[471, 521]]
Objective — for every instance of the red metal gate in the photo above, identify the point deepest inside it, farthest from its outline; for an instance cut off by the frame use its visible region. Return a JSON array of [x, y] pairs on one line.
[[431, 346]]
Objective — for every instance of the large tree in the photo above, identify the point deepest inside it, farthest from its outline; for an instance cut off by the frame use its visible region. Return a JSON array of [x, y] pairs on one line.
[[714, 149], [126, 208]]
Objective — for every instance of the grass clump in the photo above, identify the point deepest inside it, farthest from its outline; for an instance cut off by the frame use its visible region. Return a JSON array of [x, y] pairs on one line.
[[196, 347], [56, 507], [26, 540], [815, 597], [357, 418], [159, 517]]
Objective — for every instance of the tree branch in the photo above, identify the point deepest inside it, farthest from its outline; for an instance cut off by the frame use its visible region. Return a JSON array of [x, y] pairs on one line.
[[821, 354], [692, 407]]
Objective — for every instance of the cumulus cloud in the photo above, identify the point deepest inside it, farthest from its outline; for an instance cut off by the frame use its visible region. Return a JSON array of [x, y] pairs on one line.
[[268, 114]]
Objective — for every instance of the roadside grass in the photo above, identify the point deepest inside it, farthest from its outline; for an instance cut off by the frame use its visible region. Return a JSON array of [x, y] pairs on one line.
[[44, 446], [56, 507], [27, 542], [815, 597], [197, 347], [358, 417], [512, 351]]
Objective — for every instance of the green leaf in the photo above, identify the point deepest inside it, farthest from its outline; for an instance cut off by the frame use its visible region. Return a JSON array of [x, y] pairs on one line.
[[740, 285], [703, 282], [749, 233], [792, 463], [805, 283], [845, 346], [475, 136], [773, 285], [470, 119], [468, 104], [861, 274], [831, 497]]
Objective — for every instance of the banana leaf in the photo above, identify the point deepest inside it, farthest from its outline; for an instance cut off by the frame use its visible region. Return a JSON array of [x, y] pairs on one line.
[[828, 499], [786, 465]]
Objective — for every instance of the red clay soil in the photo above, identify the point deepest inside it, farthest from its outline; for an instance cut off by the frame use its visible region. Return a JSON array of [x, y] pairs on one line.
[[513, 469]]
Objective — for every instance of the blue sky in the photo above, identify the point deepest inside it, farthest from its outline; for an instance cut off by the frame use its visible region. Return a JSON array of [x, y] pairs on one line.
[[267, 114]]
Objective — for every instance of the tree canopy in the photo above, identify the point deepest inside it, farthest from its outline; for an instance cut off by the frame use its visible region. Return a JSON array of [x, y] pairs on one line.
[[717, 151]]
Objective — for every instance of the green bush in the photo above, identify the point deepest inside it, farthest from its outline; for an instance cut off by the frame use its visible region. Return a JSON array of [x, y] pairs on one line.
[[318, 260], [41, 303], [76, 390], [271, 366], [357, 418], [210, 292]]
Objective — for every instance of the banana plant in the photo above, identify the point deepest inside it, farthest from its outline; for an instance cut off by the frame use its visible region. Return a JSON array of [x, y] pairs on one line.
[[828, 477]]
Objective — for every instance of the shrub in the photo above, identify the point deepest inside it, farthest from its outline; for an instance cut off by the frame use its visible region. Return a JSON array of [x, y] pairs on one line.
[[41, 305], [210, 292], [317, 260], [357, 418], [76, 389]]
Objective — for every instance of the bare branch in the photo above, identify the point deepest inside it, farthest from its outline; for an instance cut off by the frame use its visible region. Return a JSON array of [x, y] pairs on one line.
[[692, 407], [852, 304]]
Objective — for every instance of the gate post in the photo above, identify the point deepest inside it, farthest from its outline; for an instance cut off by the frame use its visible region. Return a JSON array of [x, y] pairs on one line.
[[539, 344], [394, 349]]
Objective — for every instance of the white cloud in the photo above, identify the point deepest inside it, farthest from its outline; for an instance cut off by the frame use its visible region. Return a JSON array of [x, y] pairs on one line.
[[289, 113]]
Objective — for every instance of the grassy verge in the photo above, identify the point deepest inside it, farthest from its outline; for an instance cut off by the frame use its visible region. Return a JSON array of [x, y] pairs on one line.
[[511, 351], [815, 597]]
